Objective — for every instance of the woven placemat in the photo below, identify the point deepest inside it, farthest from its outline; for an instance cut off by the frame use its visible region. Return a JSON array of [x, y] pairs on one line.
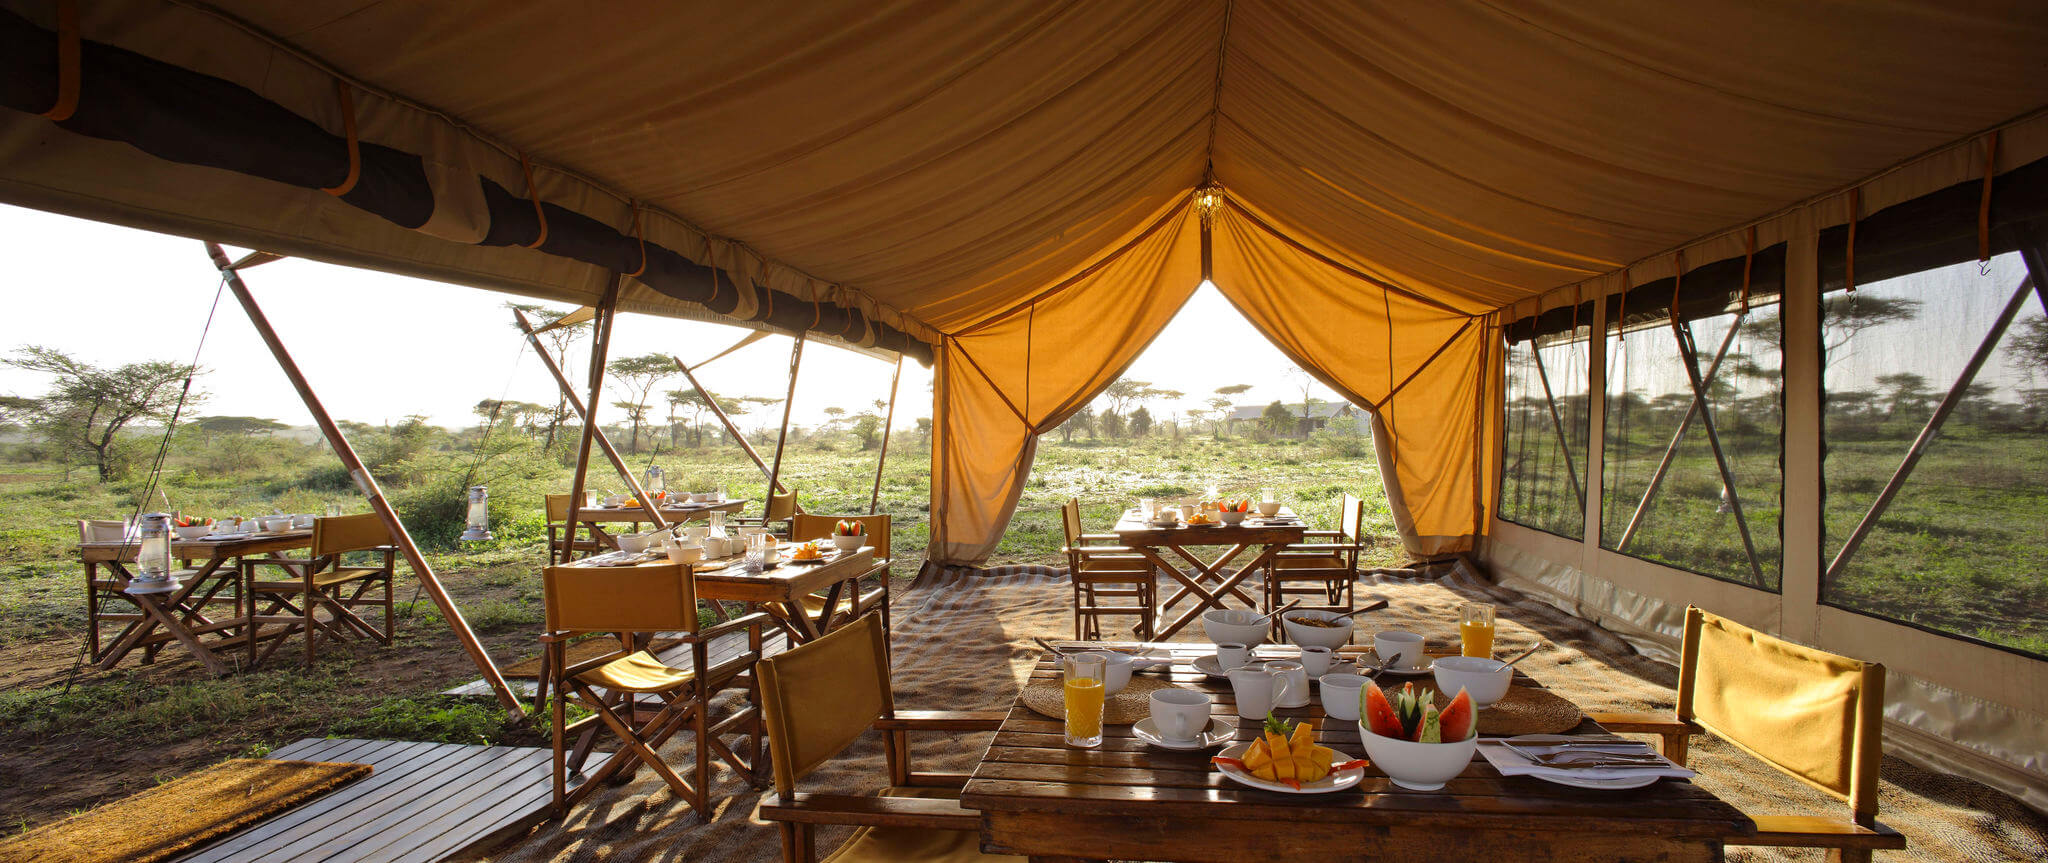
[[1049, 699], [1527, 710]]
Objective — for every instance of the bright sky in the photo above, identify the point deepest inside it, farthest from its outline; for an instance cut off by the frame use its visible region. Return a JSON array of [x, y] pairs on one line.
[[379, 347]]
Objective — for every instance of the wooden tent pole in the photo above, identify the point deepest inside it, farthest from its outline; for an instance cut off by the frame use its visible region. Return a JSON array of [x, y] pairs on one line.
[[600, 344], [796, 359], [726, 421], [875, 497], [604, 442], [368, 484]]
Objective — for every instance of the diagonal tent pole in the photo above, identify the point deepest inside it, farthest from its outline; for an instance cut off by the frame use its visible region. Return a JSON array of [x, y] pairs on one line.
[[726, 421], [604, 442], [1671, 450], [875, 497], [1933, 427], [796, 360], [600, 345], [1689, 354], [368, 484], [1564, 444]]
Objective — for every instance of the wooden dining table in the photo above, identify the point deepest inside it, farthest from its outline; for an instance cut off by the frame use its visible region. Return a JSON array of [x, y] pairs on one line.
[[1127, 800], [1209, 583], [779, 590], [597, 517], [190, 614]]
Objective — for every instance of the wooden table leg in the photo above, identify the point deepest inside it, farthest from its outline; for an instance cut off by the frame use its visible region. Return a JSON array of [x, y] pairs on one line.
[[161, 612], [1190, 584], [1214, 569]]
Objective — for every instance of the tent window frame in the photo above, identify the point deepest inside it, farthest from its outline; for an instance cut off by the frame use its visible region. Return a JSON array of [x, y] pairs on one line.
[[1580, 469]]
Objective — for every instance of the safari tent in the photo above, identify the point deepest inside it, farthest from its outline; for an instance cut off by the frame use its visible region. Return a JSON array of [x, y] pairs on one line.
[[1415, 202]]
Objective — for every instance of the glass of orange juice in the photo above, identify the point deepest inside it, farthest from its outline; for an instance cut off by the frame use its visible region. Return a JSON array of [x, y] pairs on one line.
[[1475, 629], [1085, 691]]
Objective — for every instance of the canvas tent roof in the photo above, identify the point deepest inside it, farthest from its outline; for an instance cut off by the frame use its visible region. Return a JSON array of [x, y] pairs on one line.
[[1006, 187]]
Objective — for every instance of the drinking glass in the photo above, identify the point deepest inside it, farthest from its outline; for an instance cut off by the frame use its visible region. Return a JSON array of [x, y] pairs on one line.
[[1085, 693], [1266, 495], [718, 521], [1475, 628], [1146, 507], [333, 509], [757, 552]]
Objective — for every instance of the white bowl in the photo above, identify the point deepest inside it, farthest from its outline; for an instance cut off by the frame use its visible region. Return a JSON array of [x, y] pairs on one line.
[[1116, 671], [193, 531], [634, 543], [685, 553], [849, 543], [1485, 680], [274, 523], [1269, 508], [1217, 625], [1231, 517], [1417, 766], [1316, 636], [702, 496]]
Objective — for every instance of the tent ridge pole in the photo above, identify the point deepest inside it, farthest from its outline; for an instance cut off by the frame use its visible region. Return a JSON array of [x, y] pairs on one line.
[[875, 497], [338, 442], [604, 441]]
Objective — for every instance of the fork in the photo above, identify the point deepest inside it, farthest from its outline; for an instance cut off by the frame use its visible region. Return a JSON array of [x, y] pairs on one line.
[[1585, 758]]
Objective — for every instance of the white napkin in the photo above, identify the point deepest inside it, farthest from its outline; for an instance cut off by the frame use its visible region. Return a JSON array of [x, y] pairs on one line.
[[1512, 763]]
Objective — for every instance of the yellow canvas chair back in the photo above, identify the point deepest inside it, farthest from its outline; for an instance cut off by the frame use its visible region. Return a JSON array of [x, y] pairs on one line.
[[1070, 521], [646, 598], [100, 530], [1812, 714], [1353, 518], [342, 533], [558, 507], [819, 697], [781, 506], [807, 526]]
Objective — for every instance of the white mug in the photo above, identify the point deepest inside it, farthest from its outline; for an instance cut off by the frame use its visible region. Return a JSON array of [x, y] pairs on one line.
[[1230, 656], [1296, 692], [1316, 659], [1180, 714], [1398, 649], [1340, 695], [1258, 690]]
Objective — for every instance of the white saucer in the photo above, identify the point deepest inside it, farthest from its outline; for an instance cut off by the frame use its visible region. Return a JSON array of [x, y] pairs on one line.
[[1219, 732], [1338, 667], [1409, 672], [1207, 665]]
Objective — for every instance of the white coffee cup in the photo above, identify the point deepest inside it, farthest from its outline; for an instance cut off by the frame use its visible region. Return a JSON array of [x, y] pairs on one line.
[[1399, 649], [1230, 656], [1296, 693], [1340, 695], [1259, 689], [1316, 660], [1180, 714]]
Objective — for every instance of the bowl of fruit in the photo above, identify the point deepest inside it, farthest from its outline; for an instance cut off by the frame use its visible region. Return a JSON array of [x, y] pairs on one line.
[[1419, 746], [1286, 758], [191, 526], [849, 535], [1234, 511]]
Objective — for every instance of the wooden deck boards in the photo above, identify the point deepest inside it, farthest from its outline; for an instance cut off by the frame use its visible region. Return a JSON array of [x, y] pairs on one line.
[[425, 802]]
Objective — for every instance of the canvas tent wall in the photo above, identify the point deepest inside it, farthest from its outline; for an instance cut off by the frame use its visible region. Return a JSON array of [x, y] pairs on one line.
[[1011, 188]]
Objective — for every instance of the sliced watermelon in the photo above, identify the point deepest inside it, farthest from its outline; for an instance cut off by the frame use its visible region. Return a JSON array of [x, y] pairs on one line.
[[1458, 719], [1379, 713]]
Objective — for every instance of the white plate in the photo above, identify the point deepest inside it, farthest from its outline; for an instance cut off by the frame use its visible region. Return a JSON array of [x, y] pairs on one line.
[[1408, 672], [1338, 780], [1219, 732], [1575, 778]]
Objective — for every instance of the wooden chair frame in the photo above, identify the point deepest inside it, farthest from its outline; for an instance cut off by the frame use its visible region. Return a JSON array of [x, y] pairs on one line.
[[798, 813], [566, 540], [323, 580], [779, 508], [1128, 575], [1339, 583], [1853, 840], [641, 727]]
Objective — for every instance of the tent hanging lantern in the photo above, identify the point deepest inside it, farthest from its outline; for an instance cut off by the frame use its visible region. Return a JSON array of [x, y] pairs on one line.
[[153, 556], [1208, 199], [479, 524]]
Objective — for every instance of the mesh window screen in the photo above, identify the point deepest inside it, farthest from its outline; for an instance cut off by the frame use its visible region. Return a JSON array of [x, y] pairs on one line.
[[1961, 544], [1699, 491], [1543, 465]]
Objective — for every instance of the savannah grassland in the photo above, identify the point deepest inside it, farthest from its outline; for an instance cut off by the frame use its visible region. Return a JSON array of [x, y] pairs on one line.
[[72, 736]]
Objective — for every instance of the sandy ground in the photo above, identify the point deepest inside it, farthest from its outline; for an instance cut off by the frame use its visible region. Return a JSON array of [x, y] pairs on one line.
[[965, 643]]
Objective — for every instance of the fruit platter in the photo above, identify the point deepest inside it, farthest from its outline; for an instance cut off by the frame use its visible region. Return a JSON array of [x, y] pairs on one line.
[[1287, 759]]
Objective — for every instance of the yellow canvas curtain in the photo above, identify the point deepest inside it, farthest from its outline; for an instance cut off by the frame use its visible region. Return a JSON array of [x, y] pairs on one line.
[[1000, 383], [1427, 371]]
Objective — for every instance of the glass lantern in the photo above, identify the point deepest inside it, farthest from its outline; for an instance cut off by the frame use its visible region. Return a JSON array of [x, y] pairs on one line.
[[655, 484], [153, 556], [479, 526]]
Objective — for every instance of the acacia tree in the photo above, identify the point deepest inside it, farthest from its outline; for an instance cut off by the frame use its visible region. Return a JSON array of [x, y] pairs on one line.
[[639, 375], [87, 406], [557, 341]]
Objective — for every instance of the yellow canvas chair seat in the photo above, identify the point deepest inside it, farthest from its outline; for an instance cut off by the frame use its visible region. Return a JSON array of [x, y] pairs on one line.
[[1113, 569], [1292, 562], [636, 672], [1813, 715]]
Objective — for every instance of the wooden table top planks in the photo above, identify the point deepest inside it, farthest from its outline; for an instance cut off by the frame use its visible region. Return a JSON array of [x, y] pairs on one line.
[[1127, 800]]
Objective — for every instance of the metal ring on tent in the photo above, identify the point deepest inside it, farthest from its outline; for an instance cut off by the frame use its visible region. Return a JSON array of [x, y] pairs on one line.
[[533, 194], [641, 238], [348, 131], [1984, 202], [67, 63], [1849, 259]]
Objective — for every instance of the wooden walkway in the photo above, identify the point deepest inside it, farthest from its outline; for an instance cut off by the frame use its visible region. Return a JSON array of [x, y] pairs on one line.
[[425, 802]]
